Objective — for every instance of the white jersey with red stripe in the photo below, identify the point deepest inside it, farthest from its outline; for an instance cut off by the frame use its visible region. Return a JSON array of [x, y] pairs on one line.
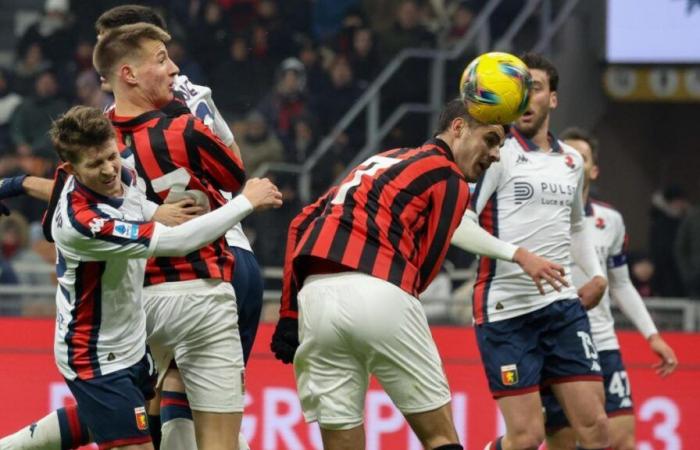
[[102, 244], [199, 101], [529, 198], [607, 229]]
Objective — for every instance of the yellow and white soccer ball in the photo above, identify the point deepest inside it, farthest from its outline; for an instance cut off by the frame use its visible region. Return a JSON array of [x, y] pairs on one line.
[[496, 88]]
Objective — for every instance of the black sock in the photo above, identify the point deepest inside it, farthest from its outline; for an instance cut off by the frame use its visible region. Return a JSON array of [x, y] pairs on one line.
[[154, 427], [449, 447]]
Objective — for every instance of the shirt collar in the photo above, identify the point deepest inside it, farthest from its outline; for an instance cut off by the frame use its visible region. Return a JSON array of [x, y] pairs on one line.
[[442, 145], [115, 202], [529, 146]]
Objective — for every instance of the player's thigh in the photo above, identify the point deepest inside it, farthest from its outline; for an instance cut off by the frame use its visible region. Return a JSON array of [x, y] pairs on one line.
[[622, 432], [113, 405], [331, 374], [554, 416], [511, 354], [210, 358], [523, 415], [403, 356], [582, 402], [561, 439], [568, 347]]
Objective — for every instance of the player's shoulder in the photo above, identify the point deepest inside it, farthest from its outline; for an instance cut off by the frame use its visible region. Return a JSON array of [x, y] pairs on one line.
[[569, 151], [608, 211]]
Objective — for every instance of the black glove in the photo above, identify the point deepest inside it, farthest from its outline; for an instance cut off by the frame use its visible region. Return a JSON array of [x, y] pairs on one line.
[[4, 211], [12, 186], [285, 340]]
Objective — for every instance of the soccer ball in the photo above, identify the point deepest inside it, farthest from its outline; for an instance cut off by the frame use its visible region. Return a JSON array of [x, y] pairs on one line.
[[496, 88]]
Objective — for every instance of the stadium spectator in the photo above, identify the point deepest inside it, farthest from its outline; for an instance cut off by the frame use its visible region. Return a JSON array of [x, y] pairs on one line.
[[406, 31], [9, 101], [240, 77], [31, 63], [338, 95], [668, 207], [188, 66], [462, 17], [642, 272], [687, 252], [364, 57], [89, 92], [9, 304], [288, 100], [207, 34], [303, 139], [30, 124], [259, 144], [53, 32]]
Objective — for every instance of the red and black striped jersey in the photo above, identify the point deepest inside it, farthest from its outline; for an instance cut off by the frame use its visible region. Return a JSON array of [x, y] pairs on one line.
[[392, 217], [179, 157], [297, 227]]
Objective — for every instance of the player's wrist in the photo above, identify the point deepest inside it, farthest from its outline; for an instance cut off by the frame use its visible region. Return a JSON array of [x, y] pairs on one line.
[[12, 186]]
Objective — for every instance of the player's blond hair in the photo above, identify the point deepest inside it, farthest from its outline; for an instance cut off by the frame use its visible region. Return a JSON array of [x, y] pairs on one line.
[[80, 129], [118, 44]]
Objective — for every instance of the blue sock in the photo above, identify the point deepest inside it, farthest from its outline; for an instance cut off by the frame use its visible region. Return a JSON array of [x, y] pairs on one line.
[[174, 405], [74, 433]]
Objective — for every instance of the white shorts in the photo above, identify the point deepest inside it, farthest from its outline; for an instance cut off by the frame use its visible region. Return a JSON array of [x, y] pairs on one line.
[[196, 323], [352, 325]]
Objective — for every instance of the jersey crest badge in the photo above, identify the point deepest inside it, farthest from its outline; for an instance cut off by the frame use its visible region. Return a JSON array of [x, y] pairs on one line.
[[509, 374], [569, 161], [141, 419]]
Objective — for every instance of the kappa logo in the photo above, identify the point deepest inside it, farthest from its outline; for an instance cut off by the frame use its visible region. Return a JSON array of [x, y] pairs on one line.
[[595, 367], [141, 418], [96, 225], [523, 192], [509, 374], [626, 403], [522, 159]]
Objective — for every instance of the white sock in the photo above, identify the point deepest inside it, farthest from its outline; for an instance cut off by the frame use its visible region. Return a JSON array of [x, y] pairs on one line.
[[44, 434], [178, 434]]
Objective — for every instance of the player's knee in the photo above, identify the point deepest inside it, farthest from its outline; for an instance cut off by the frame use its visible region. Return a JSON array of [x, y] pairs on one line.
[[625, 442], [527, 440], [594, 428]]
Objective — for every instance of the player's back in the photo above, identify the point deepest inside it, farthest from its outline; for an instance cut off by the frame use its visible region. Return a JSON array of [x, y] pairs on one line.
[[392, 216], [179, 157], [100, 319], [527, 199]]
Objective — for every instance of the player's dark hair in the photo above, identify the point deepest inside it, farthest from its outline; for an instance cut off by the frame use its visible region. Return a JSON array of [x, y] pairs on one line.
[[79, 129], [123, 42], [537, 61], [579, 134], [127, 15], [453, 109]]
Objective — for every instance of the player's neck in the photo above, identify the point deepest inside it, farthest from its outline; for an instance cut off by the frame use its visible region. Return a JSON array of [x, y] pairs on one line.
[[130, 105], [541, 138]]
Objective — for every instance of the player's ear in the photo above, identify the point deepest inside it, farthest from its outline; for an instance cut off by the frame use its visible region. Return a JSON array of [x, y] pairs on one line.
[[553, 100], [126, 72], [595, 171]]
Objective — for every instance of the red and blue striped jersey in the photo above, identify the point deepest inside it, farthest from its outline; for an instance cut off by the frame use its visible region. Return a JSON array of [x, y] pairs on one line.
[[178, 157], [102, 244], [392, 217]]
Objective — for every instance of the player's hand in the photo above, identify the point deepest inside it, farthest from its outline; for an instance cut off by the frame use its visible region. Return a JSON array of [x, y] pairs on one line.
[[173, 214], [591, 292], [4, 210], [262, 193], [285, 340], [668, 361], [540, 269], [11, 186]]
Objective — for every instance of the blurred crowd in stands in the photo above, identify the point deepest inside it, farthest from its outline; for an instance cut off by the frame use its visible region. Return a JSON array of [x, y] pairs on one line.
[[283, 72]]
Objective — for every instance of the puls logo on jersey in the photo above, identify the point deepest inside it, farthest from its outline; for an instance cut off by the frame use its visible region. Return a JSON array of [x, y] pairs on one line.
[[523, 192], [125, 230], [557, 194]]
